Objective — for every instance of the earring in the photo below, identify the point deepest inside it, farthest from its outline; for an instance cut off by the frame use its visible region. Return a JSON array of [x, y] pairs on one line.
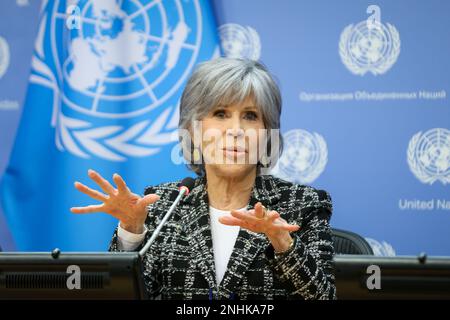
[[196, 155], [264, 160]]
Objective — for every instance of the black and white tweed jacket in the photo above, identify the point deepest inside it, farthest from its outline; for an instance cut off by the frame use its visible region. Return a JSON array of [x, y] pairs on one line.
[[180, 263]]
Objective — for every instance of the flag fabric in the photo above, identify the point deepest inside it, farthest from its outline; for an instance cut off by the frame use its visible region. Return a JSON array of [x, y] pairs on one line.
[[106, 78]]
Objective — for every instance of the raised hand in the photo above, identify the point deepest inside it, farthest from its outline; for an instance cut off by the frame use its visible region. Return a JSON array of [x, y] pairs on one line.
[[120, 202], [260, 220]]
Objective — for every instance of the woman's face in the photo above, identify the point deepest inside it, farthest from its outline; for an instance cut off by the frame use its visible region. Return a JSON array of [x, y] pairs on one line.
[[232, 136]]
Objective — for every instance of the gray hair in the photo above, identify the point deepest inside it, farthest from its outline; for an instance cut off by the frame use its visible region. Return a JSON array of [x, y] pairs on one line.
[[227, 81]]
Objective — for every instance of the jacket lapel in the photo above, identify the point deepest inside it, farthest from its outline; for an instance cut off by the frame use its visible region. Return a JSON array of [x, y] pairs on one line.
[[248, 244], [198, 227]]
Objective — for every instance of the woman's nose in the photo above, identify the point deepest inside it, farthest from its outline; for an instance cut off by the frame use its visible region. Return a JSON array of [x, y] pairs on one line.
[[235, 128]]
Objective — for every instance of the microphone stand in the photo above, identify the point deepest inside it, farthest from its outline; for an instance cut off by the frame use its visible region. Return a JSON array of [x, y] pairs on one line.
[[143, 251]]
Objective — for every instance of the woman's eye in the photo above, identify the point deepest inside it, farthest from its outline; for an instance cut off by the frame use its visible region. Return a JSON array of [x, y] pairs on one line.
[[251, 115], [219, 114]]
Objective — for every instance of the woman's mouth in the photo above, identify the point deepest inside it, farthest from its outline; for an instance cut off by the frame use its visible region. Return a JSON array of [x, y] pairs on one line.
[[234, 151]]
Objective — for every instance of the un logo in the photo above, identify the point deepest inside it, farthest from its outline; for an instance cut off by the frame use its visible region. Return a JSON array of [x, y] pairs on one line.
[[239, 42], [4, 56], [381, 249], [304, 157], [429, 156], [120, 75], [372, 49]]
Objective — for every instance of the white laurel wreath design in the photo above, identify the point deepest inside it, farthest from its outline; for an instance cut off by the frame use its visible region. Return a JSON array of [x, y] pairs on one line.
[[323, 160], [255, 44], [103, 142], [4, 56], [317, 169], [353, 67], [418, 169], [381, 249]]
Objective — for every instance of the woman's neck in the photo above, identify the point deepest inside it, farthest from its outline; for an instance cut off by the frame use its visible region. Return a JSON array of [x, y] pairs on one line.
[[229, 193]]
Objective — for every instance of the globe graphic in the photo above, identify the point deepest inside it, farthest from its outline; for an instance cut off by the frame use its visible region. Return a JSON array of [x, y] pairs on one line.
[[300, 153], [433, 151], [234, 40], [239, 42], [135, 52], [368, 46]]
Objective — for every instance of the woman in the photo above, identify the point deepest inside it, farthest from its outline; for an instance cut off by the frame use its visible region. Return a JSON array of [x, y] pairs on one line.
[[239, 234]]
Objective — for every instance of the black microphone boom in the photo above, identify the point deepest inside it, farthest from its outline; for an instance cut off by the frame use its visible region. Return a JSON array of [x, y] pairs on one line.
[[188, 183], [185, 187]]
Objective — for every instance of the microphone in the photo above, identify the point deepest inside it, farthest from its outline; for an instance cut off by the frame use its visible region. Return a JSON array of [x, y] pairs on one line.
[[185, 187]]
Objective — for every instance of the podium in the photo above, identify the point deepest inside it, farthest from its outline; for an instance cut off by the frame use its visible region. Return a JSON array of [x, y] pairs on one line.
[[119, 275], [401, 277], [55, 275]]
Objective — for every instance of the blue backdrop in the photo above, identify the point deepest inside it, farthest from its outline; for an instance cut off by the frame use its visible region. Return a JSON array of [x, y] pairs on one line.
[[366, 114]]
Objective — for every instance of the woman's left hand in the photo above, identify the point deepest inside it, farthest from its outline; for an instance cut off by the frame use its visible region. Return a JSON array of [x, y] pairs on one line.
[[260, 220]]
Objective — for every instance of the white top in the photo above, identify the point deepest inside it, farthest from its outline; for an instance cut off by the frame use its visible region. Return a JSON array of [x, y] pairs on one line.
[[223, 239]]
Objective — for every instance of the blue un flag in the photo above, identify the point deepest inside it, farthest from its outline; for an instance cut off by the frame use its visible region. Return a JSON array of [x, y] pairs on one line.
[[104, 91]]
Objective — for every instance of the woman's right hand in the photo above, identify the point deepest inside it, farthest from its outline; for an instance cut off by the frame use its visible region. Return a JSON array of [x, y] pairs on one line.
[[121, 203]]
